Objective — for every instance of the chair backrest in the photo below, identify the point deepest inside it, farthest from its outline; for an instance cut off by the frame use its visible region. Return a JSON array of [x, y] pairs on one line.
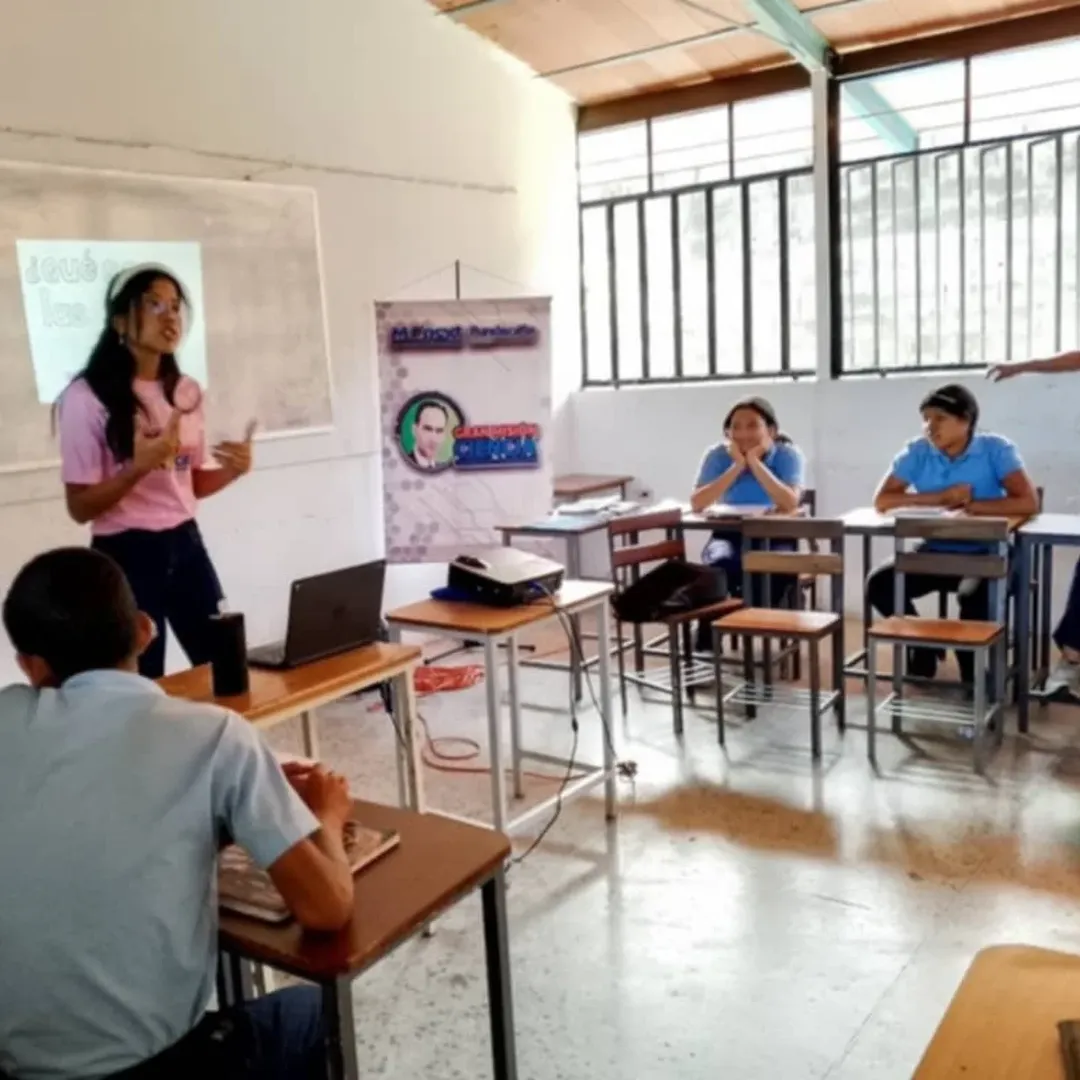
[[808, 501], [989, 561], [629, 552], [824, 557]]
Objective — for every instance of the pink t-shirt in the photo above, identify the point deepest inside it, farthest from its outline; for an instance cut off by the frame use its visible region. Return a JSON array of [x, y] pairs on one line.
[[161, 500]]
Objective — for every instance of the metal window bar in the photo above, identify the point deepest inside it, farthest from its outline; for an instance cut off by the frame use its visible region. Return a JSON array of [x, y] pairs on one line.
[[643, 286], [785, 275], [746, 236], [895, 222], [613, 293], [710, 279], [676, 288], [875, 273]]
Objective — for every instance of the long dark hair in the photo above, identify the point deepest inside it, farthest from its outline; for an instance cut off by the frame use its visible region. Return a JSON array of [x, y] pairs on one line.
[[110, 370]]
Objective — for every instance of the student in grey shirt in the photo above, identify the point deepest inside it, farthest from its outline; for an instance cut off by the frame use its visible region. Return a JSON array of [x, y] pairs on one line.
[[113, 802]]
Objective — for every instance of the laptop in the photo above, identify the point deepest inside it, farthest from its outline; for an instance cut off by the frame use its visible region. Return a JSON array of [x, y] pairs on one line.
[[328, 614]]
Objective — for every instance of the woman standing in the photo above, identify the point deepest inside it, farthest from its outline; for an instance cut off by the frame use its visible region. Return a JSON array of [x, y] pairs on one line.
[[134, 461]]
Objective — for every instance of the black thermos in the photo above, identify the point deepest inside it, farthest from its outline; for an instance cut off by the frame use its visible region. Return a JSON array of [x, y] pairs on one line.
[[228, 654]]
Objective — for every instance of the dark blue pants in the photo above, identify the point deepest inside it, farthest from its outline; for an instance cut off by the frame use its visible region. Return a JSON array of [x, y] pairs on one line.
[[1067, 634], [278, 1037], [174, 583]]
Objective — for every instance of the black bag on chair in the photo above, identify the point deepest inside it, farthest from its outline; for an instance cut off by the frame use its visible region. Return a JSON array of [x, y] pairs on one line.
[[669, 589]]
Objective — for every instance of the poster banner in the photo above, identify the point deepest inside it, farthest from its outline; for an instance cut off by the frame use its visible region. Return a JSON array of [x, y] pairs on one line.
[[465, 390]]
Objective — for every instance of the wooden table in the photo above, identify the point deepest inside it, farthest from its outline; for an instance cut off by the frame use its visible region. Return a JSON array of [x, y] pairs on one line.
[[276, 696], [438, 862], [1002, 1023], [1034, 551], [575, 486], [494, 626]]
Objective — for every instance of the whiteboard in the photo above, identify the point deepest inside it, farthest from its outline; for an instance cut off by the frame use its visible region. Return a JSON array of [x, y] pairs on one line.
[[264, 321]]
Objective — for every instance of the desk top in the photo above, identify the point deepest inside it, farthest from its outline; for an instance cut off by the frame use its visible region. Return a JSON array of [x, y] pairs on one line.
[[556, 524], [1064, 528], [482, 621], [866, 521], [280, 695], [439, 861], [1002, 1023], [581, 485]]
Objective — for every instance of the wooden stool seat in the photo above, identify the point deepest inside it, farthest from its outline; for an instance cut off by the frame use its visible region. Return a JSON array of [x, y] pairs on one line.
[[955, 633], [706, 611], [779, 622]]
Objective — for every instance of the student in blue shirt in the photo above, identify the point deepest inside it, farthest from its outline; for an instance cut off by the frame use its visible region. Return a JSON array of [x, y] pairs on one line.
[[755, 466], [113, 802], [955, 467]]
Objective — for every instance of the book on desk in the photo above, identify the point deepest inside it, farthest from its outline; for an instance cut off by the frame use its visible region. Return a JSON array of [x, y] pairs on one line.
[[244, 889]]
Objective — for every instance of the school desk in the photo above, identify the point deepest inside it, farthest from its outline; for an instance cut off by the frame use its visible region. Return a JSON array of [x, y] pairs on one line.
[[276, 696], [1002, 1023], [496, 626], [1035, 542], [866, 523], [574, 486], [438, 862]]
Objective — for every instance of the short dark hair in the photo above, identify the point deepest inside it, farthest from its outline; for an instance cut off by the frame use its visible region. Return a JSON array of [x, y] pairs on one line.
[[954, 400], [74, 609], [430, 405]]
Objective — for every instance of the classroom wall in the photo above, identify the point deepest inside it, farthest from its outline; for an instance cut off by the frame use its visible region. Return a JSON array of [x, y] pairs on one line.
[[849, 430], [425, 145]]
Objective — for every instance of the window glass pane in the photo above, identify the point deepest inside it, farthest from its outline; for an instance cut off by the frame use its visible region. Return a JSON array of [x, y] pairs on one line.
[[1034, 89], [595, 274], [802, 273], [628, 290], [728, 297], [693, 285], [691, 148], [765, 274], [890, 114], [613, 162], [773, 133], [658, 268], [857, 211]]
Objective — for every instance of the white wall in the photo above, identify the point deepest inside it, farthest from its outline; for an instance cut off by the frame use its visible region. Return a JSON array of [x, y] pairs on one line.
[[848, 429], [425, 145]]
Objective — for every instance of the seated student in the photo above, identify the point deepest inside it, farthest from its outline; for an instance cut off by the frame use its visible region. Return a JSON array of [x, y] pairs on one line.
[[955, 467], [755, 465], [113, 798]]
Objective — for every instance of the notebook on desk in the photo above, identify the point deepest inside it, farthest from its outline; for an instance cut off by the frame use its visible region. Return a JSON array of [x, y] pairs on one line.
[[244, 889]]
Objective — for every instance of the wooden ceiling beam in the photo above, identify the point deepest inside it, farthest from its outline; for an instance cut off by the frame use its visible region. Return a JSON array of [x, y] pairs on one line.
[[1011, 32], [702, 95]]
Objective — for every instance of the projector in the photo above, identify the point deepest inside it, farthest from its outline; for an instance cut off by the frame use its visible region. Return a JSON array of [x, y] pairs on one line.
[[503, 577]]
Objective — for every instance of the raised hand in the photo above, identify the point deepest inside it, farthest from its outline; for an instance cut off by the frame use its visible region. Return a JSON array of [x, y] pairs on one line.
[[236, 457]]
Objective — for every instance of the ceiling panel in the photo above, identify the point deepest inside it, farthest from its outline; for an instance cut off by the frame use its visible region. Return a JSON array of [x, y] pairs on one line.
[[624, 48]]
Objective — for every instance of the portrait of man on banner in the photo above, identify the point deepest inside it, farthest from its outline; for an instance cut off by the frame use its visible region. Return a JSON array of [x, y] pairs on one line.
[[425, 431]]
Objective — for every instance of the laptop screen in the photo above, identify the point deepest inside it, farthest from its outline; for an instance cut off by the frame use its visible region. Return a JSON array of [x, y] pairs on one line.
[[334, 612]]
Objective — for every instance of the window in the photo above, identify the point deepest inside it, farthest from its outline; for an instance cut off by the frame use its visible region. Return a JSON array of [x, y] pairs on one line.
[[691, 272]]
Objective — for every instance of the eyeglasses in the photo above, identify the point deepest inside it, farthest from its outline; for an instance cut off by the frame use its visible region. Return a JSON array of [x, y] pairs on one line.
[[157, 307]]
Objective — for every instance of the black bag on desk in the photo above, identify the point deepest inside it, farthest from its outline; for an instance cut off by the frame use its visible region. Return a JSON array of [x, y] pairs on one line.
[[669, 589]]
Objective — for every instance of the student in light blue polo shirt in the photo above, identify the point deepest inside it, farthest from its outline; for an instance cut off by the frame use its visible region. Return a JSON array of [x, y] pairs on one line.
[[755, 466], [114, 799], [955, 467]]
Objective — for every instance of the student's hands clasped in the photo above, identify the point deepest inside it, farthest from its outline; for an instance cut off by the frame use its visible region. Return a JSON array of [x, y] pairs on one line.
[[957, 497], [326, 793]]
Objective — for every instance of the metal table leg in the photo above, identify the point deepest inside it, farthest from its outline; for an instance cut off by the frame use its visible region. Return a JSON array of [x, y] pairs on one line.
[[410, 760], [573, 558], [399, 735], [515, 714], [341, 1059], [310, 735], [1022, 607], [498, 777], [604, 674], [500, 1003]]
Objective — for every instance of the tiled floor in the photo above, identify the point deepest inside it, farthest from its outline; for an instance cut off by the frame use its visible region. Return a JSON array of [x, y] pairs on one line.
[[749, 916]]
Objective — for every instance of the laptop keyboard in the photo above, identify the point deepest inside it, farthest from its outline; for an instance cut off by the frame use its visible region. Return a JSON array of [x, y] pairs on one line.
[[269, 654]]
